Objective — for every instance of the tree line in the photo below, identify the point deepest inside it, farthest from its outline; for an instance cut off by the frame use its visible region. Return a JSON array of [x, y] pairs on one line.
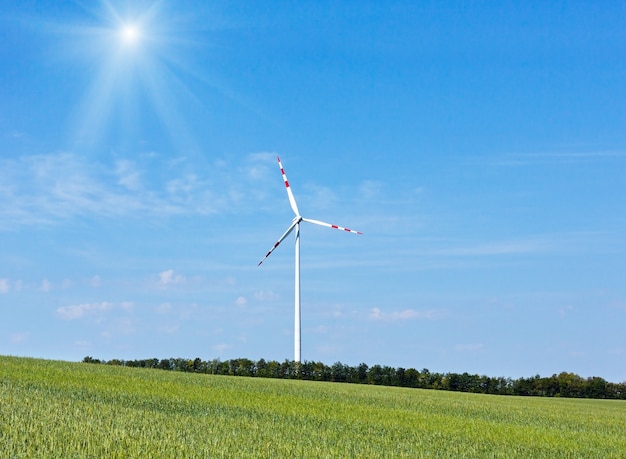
[[561, 385]]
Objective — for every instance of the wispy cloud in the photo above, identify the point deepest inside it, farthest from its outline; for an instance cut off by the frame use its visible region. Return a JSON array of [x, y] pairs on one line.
[[168, 277], [46, 286], [257, 165], [221, 347], [371, 189], [20, 337], [128, 174], [565, 311], [241, 301], [120, 326], [317, 197], [4, 286], [49, 188], [377, 314], [447, 253], [164, 308], [78, 311]]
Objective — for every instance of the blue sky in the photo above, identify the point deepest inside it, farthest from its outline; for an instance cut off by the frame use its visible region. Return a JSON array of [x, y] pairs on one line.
[[479, 147]]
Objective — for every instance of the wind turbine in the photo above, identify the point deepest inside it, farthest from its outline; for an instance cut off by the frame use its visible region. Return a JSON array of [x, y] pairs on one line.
[[295, 224]]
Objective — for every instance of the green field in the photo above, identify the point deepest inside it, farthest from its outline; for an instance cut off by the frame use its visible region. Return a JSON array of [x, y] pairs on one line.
[[61, 409]]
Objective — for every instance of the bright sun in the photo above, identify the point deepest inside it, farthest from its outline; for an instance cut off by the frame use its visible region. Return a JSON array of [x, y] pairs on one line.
[[133, 57], [130, 34]]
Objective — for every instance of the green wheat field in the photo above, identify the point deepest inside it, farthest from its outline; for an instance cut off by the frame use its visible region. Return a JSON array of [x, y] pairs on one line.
[[54, 409]]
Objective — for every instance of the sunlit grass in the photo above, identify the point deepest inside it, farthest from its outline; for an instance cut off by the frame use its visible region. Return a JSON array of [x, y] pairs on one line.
[[60, 409]]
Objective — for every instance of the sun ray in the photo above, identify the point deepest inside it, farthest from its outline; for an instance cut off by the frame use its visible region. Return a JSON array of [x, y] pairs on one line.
[[135, 60]]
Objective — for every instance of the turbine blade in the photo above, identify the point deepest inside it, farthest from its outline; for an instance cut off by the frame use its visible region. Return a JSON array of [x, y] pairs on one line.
[[292, 200], [317, 222], [285, 234]]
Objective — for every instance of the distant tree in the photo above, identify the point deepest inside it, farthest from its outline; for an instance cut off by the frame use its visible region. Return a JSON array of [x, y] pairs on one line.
[[318, 371], [388, 375], [362, 373], [244, 367], [399, 377], [616, 391], [261, 368], [549, 386], [595, 387], [427, 379], [164, 364], [411, 378], [338, 372], [289, 369], [213, 366], [197, 365], [274, 369], [570, 385], [306, 370], [375, 375], [562, 385]]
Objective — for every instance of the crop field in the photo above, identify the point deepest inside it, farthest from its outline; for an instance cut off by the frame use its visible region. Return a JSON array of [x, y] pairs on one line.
[[73, 410]]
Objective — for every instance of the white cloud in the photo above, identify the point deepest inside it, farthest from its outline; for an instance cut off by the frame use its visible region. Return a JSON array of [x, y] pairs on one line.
[[79, 310], [320, 197], [241, 301], [122, 326], [128, 175], [47, 189], [177, 312], [18, 338], [127, 305], [322, 329], [183, 186], [230, 281], [564, 311], [4, 286], [265, 295], [164, 308], [46, 285], [50, 188], [259, 167], [370, 189], [169, 278], [221, 347], [618, 304], [407, 314], [169, 329]]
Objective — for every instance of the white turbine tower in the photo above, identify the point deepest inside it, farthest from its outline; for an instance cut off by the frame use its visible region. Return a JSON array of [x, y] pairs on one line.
[[296, 224]]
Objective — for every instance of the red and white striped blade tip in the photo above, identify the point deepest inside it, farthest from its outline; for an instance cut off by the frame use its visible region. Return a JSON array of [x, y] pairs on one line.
[[329, 225], [281, 239], [292, 199]]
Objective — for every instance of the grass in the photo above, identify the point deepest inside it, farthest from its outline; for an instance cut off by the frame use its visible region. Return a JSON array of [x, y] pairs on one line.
[[75, 410]]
